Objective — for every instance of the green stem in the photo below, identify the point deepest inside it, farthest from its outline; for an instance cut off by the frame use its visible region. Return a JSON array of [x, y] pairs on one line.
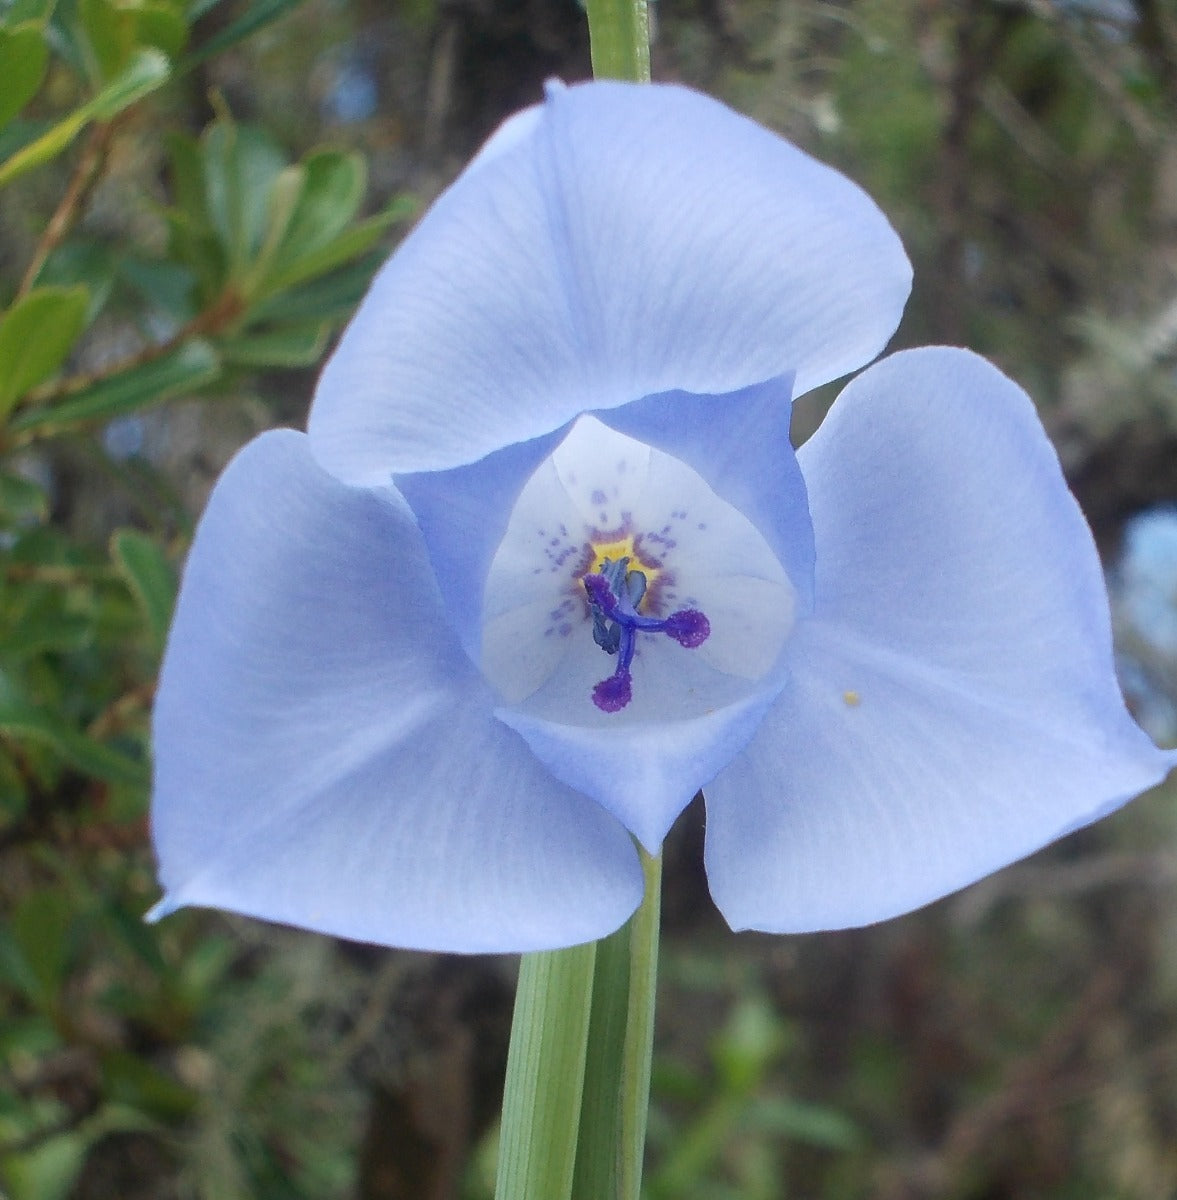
[[612, 1141], [578, 1070], [574, 1123], [545, 1075], [639, 1033], [619, 36]]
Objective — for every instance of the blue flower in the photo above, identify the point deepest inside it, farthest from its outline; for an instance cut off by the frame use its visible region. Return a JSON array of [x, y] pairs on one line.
[[546, 564]]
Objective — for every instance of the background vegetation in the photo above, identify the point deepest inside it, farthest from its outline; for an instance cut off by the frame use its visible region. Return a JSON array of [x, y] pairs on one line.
[[193, 194]]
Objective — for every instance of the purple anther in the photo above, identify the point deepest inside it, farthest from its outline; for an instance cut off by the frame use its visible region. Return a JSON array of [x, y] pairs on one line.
[[688, 627], [613, 694]]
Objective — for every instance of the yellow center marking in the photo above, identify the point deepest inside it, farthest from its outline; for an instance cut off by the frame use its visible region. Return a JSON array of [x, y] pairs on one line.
[[618, 548], [852, 699]]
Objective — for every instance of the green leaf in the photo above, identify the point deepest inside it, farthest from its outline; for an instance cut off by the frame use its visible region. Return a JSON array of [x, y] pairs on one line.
[[333, 188], [187, 168], [30, 1036], [165, 285], [803, 1122], [36, 334], [150, 577], [114, 30], [145, 71], [81, 261], [48, 1171], [46, 623], [29, 10], [241, 164], [16, 971], [161, 26], [350, 244], [21, 500], [292, 346], [191, 366], [41, 926], [23, 59], [21, 721], [280, 207], [329, 298], [199, 250], [110, 32], [259, 14], [130, 1080]]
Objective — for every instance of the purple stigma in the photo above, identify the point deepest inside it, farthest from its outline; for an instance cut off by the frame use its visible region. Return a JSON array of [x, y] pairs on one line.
[[616, 621], [614, 693]]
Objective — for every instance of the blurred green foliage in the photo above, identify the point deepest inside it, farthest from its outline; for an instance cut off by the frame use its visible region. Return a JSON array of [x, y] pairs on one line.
[[178, 247], [247, 260]]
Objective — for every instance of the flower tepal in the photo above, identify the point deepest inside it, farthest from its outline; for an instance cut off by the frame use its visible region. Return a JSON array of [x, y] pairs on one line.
[[547, 564]]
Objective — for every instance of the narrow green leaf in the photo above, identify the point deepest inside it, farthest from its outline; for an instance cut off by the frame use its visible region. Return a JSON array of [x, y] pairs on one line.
[[193, 365], [329, 298], [146, 70], [259, 14], [348, 245], [292, 346], [150, 577], [23, 59], [36, 335], [21, 721]]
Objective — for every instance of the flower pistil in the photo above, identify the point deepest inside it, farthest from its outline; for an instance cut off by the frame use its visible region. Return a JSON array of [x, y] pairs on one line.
[[614, 593]]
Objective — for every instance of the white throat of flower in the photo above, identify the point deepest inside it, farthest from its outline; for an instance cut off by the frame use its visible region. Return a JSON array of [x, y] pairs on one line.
[[626, 590]]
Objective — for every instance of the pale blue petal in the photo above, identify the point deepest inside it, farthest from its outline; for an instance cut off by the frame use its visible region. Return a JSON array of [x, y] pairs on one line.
[[953, 705], [623, 242], [740, 444], [463, 515], [327, 757], [646, 774]]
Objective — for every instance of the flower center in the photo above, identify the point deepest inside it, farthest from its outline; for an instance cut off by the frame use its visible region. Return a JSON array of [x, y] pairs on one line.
[[615, 547], [615, 592]]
